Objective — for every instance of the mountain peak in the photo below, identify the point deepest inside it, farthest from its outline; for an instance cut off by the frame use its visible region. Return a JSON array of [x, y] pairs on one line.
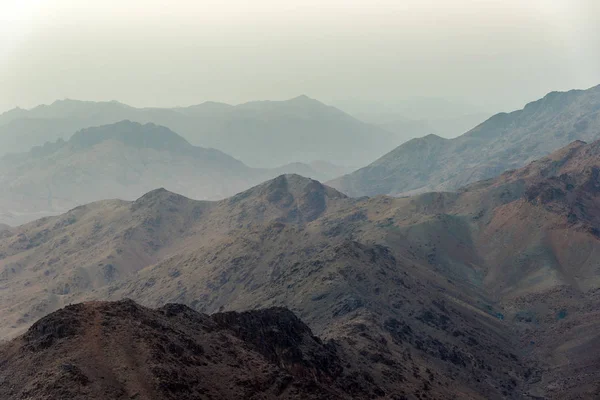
[[302, 199], [157, 198], [418, 144], [575, 165], [12, 114], [578, 149], [156, 192], [131, 134], [302, 97], [305, 100], [432, 137], [296, 185], [14, 110], [207, 107]]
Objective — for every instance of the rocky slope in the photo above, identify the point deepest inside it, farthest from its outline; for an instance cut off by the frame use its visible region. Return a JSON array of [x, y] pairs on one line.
[[489, 292], [263, 134], [122, 160], [505, 141], [125, 351], [289, 242]]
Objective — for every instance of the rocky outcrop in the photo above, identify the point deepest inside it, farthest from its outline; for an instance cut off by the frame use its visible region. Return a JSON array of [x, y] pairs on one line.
[[122, 351]]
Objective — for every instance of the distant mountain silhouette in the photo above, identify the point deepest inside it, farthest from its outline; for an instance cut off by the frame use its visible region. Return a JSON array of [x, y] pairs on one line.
[[123, 160], [261, 133], [505, 141]]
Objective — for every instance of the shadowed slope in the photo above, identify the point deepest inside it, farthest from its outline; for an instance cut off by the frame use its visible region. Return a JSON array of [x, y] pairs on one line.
[[123, 351]]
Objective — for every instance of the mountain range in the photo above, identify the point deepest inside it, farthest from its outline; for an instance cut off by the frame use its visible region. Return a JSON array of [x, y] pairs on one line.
[[505, 141], [124, 160], [264, 134], [486, 292]]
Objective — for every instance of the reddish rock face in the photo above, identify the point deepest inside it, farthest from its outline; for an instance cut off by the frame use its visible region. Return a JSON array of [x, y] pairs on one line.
[[122, 350]]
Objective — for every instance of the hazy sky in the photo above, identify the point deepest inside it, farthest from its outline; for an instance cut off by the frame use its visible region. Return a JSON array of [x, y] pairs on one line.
[[491, 53]]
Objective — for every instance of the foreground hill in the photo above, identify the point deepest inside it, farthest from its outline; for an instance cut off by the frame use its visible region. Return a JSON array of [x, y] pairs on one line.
[[505, 141], [261, 134], [122, 160], [124, 351], [489, 292]]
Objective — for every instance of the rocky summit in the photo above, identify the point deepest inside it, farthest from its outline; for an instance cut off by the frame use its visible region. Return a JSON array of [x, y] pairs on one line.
[[121, 350]]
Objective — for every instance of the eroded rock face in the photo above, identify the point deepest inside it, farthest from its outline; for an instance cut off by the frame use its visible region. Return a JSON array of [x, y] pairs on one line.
[[64, 324], [123, 351], [285, 340]]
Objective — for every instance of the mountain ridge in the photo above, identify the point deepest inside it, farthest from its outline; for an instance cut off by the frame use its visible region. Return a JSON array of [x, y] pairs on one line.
[[124, 160], [484, 287], [504, 141], [293, 128]]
